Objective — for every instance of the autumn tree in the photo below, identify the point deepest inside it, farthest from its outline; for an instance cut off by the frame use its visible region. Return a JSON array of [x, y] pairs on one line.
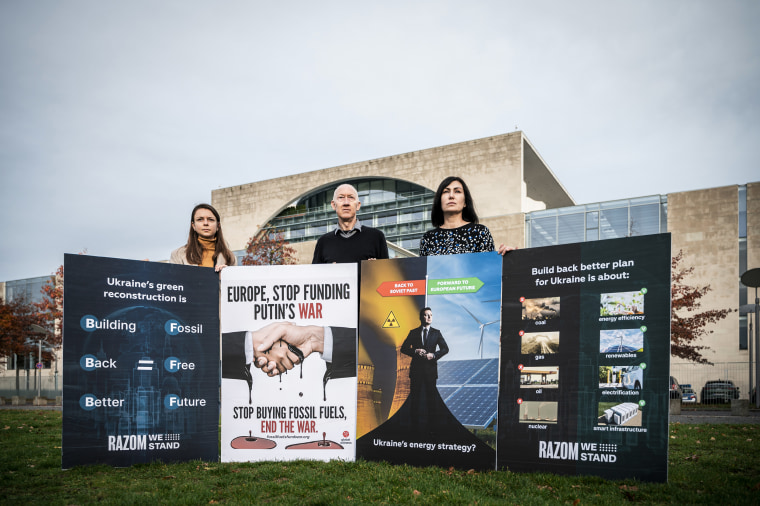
[[269, 248], [51, 305], [687, 323], [16, 337]]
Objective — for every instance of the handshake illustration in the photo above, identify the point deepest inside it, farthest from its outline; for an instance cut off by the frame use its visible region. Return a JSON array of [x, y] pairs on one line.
[[280, 346]]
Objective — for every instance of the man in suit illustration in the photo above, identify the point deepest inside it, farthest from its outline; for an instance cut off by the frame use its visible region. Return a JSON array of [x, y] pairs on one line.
[[425, 345]]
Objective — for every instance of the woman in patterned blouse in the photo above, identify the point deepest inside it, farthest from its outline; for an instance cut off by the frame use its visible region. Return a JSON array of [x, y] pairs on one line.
[[457, 228]]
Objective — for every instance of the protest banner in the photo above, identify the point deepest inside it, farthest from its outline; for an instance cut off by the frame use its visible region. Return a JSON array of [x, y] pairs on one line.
[[585, 359], [309, 411], [140, 362], [429, 397]]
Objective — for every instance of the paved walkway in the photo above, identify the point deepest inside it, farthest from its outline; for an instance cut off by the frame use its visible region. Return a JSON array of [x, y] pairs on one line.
[[29, 406], [711, 416]]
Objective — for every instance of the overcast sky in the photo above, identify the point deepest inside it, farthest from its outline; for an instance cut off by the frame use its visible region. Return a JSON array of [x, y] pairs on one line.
[[117, 117]]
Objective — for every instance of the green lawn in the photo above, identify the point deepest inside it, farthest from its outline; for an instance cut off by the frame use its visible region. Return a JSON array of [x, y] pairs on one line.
[[708, 464]]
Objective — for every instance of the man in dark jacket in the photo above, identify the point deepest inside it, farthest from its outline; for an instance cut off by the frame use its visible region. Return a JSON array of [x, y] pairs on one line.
[[350, 241]]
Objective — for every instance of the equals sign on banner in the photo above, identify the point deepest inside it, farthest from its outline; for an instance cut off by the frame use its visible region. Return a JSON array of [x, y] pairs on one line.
[[145, 364]]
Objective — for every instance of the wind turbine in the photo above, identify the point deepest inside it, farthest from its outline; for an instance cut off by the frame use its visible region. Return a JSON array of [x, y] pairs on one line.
[[482, 328]]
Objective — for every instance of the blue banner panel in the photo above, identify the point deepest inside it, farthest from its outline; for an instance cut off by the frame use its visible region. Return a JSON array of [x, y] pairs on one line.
[[140, 362], [585, 359], [428, 360]]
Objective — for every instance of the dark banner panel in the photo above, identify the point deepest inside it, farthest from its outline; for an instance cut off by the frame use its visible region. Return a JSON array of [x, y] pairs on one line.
[[428, 379], [585, 358], [140, 362]]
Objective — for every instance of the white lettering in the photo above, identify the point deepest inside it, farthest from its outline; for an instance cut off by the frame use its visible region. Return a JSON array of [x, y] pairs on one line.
[[185, 402], [123, 443], [557, 450], [99, 364], [91, 402]]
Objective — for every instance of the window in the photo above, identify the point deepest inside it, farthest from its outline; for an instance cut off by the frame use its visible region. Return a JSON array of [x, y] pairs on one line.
[[613, 223], [592, 226], [543, 231], [30, 288], [592, 222], [743, 331], [386, 203], [387, 218], [570, 228], [645, 220]]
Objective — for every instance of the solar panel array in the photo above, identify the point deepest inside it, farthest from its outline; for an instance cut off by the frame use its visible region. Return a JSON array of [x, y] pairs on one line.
[[470, 390]]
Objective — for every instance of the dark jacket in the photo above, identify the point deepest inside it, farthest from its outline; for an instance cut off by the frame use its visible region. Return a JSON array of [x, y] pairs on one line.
[[421, 366]]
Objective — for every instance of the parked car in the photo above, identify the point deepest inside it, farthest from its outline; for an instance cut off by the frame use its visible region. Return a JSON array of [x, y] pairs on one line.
[[689, 396], [675, 389], [716, 391]]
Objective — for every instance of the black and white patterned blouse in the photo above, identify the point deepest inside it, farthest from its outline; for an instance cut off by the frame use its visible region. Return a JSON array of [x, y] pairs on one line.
[[470, 238]]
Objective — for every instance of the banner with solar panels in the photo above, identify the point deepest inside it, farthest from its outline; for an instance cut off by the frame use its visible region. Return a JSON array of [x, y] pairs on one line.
[[585, 358], [428, 360], [140, 362]]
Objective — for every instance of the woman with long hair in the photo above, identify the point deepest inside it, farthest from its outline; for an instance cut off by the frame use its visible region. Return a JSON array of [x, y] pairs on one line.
[[205, 246], [456, 221]]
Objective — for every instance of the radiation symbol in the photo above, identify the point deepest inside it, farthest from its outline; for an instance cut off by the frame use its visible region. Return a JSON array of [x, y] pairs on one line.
[[391, 322]]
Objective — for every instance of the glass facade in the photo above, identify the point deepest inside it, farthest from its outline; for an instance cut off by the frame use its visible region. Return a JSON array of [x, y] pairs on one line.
[[399, 208], [30, 288], [594, 222], [743, 330]]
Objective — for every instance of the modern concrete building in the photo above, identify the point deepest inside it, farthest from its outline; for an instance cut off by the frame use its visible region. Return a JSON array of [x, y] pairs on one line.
[[525, 205], [506, 176], [718, 231]]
